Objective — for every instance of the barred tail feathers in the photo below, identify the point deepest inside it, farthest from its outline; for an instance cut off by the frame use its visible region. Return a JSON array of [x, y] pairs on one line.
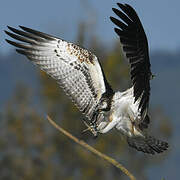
[[148, 144]]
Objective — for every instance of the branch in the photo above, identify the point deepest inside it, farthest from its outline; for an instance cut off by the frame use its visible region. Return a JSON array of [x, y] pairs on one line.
[[93, 150]]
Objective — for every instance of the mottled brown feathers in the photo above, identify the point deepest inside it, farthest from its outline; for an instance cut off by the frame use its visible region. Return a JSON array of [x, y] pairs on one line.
[[81, 54]]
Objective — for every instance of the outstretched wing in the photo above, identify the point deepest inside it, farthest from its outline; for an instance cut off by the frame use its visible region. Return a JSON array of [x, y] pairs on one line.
[[75, 69], [135, 47]]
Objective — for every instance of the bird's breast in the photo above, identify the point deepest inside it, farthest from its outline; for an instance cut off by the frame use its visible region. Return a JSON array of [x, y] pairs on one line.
[[125, 112]]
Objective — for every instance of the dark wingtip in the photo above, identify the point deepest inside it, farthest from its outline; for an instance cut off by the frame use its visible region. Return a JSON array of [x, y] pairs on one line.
[[116, 30], [7, 40], [22, 27], [121, 5], [127, 5], [25, 28], [20, 51], [6, 32], [115, 10], [38, 33], [11, 28], [9, 33], [111, 18], [10, 42]]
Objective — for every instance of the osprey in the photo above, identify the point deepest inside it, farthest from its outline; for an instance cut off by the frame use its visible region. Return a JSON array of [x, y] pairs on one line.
[[81, 76]]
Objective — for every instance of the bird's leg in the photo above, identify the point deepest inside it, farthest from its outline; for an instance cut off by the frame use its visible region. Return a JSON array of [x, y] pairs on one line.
[[90, 128], [134, 123], [95, 121], [94, 118], [100, 108], [108, 126]]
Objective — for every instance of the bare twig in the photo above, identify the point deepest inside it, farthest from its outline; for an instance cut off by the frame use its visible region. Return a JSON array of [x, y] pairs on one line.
[[93, 150]]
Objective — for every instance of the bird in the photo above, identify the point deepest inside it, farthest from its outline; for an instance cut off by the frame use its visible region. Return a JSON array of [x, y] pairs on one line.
[[80, 74]]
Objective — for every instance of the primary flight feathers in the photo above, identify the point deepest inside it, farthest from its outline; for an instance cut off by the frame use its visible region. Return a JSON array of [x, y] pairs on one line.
[[135, 47]]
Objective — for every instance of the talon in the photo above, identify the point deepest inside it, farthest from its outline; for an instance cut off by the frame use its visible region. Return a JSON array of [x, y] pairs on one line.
[[85, 130], [90, 128]]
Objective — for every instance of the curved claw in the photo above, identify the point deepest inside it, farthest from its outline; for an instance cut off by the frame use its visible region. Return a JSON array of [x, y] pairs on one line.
[[91, 128]]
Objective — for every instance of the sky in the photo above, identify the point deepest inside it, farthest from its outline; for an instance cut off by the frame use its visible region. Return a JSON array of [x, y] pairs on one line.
[[61, 17]]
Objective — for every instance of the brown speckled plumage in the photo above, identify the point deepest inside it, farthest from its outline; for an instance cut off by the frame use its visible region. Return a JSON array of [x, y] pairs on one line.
[[81, 54]]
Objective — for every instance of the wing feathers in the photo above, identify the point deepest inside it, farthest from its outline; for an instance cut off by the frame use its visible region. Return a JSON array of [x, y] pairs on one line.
[[20, 38], [24, 34], [122, 16], [117, 22], [19, 45], [38, 33], [135, 47], [75, 69]]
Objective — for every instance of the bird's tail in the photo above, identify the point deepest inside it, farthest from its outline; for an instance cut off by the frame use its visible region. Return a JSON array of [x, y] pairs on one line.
[[147, 144]]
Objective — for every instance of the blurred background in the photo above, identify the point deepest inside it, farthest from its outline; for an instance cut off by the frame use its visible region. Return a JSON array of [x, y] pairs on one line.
[[30, 148]]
